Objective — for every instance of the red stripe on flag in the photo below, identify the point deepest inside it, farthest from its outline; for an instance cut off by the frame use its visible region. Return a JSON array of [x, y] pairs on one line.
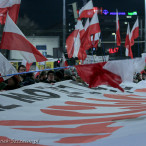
[[13, 41]]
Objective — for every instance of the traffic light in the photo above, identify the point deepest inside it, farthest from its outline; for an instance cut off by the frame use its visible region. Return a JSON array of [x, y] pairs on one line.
[[58, 63]]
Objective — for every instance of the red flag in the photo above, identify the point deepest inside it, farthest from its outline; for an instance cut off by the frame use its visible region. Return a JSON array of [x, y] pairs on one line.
[[93, 29], [87, 11], [95, 75], [14, 39], [11, 6], [128, 43], [118, 30], [135, 32], [95, 40]]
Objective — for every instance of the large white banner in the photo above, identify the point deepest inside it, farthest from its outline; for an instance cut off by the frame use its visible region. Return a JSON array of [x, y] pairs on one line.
[[69, 113]]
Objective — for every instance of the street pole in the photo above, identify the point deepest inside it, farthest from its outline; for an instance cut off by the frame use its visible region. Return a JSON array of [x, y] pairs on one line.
[[145, 29], [64, 24]]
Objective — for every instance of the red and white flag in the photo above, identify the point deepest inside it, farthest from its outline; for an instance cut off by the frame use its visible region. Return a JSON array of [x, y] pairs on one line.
[[93, 29], [125, 68], [118, 30], [135, 32], [77, 42], [128, 43], [77, 45], [6, 68], [70, 41], [9, 6], [87, 11], [87, 24], [14, 39], [95, 40], [95, 75]]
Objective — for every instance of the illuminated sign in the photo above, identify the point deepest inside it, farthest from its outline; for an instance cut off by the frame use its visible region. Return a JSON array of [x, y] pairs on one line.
[[106, 12], [132, 13], [119, 13], [99, 10], [113, 50]]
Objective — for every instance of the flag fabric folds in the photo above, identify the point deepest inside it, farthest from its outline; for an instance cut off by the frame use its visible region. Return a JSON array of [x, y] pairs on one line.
[[135, 32], [9, 6], [118, 30], [95, 75], [70, 42], [73, 42], [14, 39], [125, 68], [130, 37], [87, 24], [6, 68], [77, 42], [87, 11], [93, 29], [95, 40], [128, 43]]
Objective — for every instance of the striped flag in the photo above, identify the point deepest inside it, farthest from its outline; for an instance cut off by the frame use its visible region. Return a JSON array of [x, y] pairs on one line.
[[9, 6], [118, 30], [14, 39]]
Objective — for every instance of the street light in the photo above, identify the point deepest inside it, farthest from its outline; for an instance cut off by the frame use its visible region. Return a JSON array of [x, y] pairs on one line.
[[145, 29], [64, 24]]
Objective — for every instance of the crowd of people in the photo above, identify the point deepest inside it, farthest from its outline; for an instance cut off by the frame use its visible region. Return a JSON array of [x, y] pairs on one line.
[[139, 76], [50, 77], [25, 79]]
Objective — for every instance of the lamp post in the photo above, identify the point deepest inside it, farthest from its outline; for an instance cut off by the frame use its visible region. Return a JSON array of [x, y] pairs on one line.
[[145, 29], [64, 24]]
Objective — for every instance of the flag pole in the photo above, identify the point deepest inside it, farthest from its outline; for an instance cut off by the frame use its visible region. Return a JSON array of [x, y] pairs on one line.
[[145, 28], [138, 48], [64, 25], [103, 50]]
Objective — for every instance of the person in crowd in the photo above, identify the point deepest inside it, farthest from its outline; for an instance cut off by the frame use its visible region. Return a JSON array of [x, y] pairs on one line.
[[50, 77], [138, 78], [144, 76], [67, 74], [28, 80], [70, 74], [13, 83], [59, 75], [43, 76], [21, 69], [2, 86], [134, 78]]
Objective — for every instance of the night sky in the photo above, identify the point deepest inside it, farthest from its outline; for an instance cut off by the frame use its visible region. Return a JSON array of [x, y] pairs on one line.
[[47, 13]]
